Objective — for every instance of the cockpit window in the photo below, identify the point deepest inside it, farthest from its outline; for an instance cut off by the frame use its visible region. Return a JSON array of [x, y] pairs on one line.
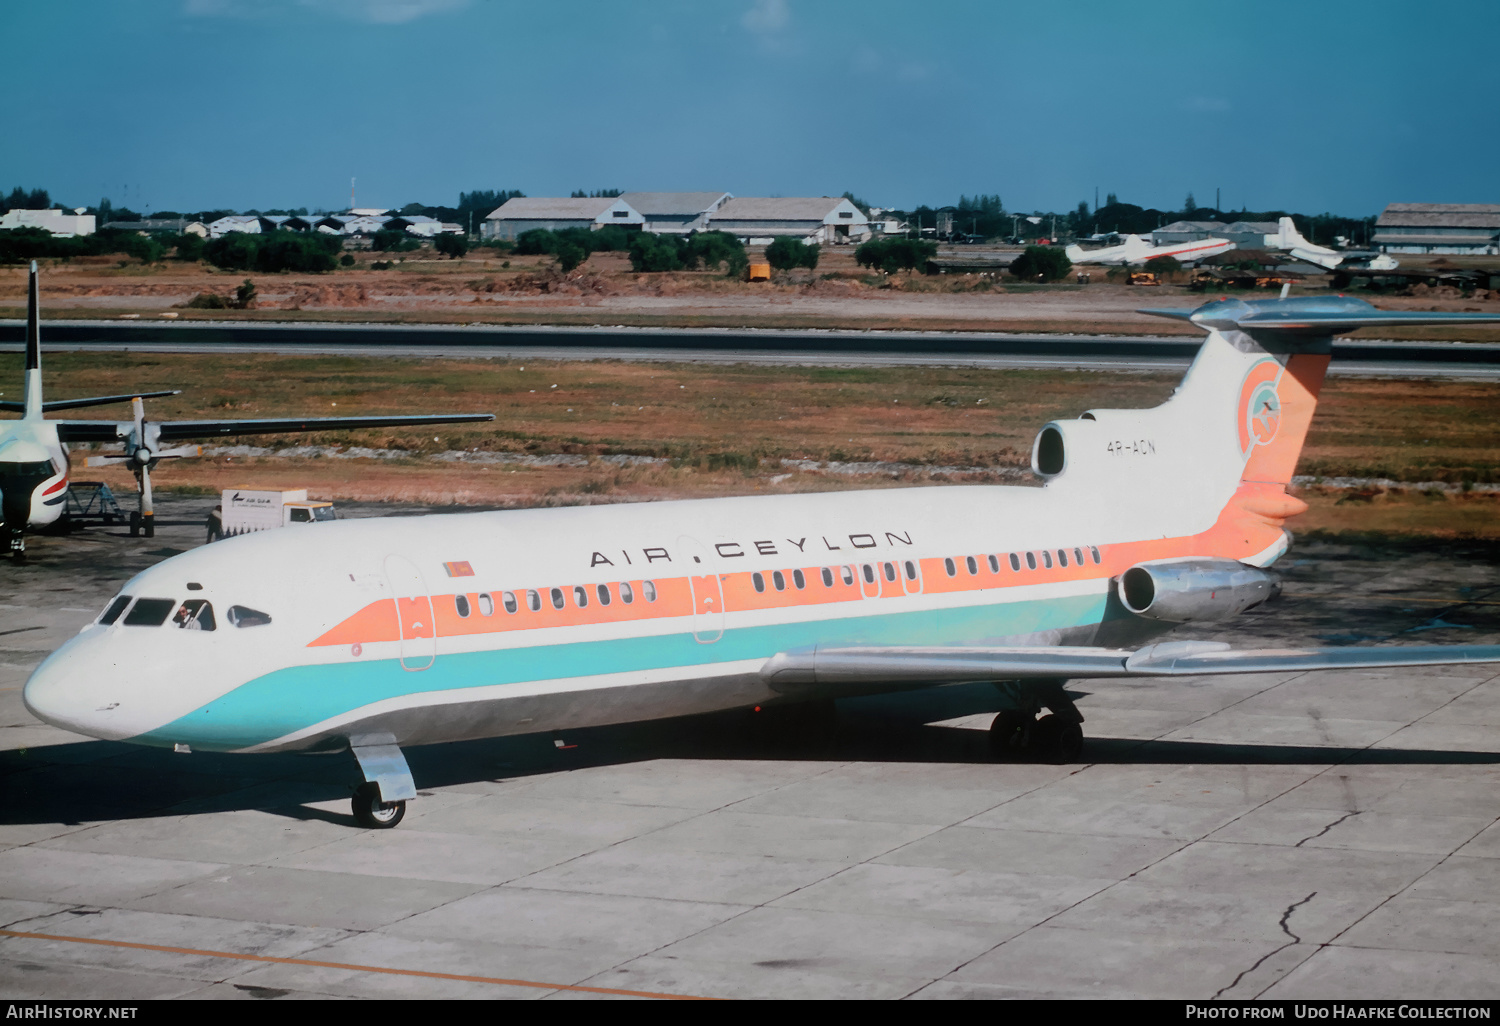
[[244, 616], [114, 609], [194, 615], [149, 612]]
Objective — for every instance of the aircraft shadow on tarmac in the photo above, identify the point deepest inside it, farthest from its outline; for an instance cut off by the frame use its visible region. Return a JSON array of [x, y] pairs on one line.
[[95, 781]]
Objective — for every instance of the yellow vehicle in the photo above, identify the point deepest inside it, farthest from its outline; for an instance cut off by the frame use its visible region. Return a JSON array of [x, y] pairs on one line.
[[1143, 278], [759, 272]]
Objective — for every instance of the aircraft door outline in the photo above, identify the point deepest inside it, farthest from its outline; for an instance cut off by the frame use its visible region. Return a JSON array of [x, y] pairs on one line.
[[414, 615], [707, 590]]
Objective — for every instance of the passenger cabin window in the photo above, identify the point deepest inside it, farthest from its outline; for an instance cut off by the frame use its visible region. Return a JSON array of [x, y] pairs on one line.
[[1062, 557], [759, 581], [1015, 562], [194, 615], [950, 566], [1094, 551], [114, 609], [533, 600], [827, 578], [580, 596], [869, 572], [911, 570], [244, 616], [1031, 560], [779, 580], [1047, 558], [557, 598], [149, 612], [799, 579], [461, 603], [994, 564], [890, 571], [847, 572], [508, 600], [648, 589], [487, 604], [603, 590], [972, 565], [627, 594]]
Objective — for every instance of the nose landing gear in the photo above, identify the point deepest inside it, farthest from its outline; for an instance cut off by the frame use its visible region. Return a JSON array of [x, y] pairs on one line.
[[380, 802], [370, 811]]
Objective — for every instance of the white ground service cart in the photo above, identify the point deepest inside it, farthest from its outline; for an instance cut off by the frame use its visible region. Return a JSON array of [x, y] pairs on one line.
[[243, 510]]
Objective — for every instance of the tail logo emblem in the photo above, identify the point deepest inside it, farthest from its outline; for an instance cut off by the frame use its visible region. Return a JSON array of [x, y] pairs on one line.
[[1260, 406], [1265, 414]]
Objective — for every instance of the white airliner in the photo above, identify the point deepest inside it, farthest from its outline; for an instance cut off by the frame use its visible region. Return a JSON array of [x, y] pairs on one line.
[[34, 455], [1136, 250], [1290, 240], [370, 635]]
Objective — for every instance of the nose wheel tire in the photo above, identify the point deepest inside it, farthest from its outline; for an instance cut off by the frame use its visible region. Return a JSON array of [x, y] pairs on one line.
[[371, 812]]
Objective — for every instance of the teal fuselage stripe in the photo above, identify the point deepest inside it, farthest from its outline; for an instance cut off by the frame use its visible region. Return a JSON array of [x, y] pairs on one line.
[[294, 698]]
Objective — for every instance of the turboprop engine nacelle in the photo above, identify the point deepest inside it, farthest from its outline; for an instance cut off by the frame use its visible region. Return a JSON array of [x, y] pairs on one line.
[[1180, 590]]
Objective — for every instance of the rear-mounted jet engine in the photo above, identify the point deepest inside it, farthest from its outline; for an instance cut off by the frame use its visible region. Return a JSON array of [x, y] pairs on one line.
[[1182, 590]]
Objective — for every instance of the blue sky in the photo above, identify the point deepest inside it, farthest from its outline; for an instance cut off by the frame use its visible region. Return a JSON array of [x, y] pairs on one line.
[[192, 104]]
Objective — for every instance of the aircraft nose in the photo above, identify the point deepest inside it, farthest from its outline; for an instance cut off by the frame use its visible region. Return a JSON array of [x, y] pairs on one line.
[[59, 692]]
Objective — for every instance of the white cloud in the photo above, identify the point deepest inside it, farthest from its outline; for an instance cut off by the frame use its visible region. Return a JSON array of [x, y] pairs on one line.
[[386, 12], [767, 17], [377, 12]]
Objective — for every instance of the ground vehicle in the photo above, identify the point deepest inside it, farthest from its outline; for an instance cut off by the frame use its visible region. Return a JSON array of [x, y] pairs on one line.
[[1143, 278], [244, 510]]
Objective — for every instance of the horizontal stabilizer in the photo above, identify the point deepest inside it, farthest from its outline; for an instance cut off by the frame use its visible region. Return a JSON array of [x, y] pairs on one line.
[[850, 669], [103, 400], [1309, 317]]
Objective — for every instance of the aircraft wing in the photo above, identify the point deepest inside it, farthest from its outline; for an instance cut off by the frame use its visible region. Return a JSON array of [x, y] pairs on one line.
[[173, 430], [177, 429], [876, 666], [73, 404]]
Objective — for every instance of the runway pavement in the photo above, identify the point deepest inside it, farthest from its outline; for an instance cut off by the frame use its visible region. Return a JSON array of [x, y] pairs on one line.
[[1287, 836], [1367, 358]]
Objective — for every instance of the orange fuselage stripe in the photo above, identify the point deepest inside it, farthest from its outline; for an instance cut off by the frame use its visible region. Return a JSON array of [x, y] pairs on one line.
[[1250, 523]]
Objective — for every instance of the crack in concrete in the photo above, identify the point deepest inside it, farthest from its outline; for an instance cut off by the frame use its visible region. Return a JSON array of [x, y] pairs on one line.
[[1330, 826], [1295, 940]]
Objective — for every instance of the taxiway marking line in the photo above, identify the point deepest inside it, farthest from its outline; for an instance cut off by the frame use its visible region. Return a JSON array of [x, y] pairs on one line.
[[346, 965]]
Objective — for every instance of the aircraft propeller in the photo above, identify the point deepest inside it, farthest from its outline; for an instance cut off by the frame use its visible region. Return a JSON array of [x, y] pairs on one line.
[[142, 453]]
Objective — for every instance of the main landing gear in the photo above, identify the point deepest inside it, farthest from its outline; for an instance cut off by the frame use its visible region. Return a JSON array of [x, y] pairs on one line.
[[380, 802], [1020, 733]]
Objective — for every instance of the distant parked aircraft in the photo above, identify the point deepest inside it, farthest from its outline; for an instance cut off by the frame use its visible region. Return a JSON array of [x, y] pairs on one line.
[[1136, 250], [34, 455], [1290, 240]]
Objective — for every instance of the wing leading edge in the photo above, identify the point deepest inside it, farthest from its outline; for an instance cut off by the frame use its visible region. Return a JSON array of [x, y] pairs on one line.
[[876, 667]]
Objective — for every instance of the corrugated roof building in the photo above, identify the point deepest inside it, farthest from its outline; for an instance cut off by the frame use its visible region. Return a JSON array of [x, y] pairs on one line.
[[676, 213], [1472, 228], [758, 220], [524, 213], [1186, 231]]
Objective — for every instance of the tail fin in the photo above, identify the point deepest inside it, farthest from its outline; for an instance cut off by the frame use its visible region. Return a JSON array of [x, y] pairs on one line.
[[1136, 246], [1074, 253], [33, 408]]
